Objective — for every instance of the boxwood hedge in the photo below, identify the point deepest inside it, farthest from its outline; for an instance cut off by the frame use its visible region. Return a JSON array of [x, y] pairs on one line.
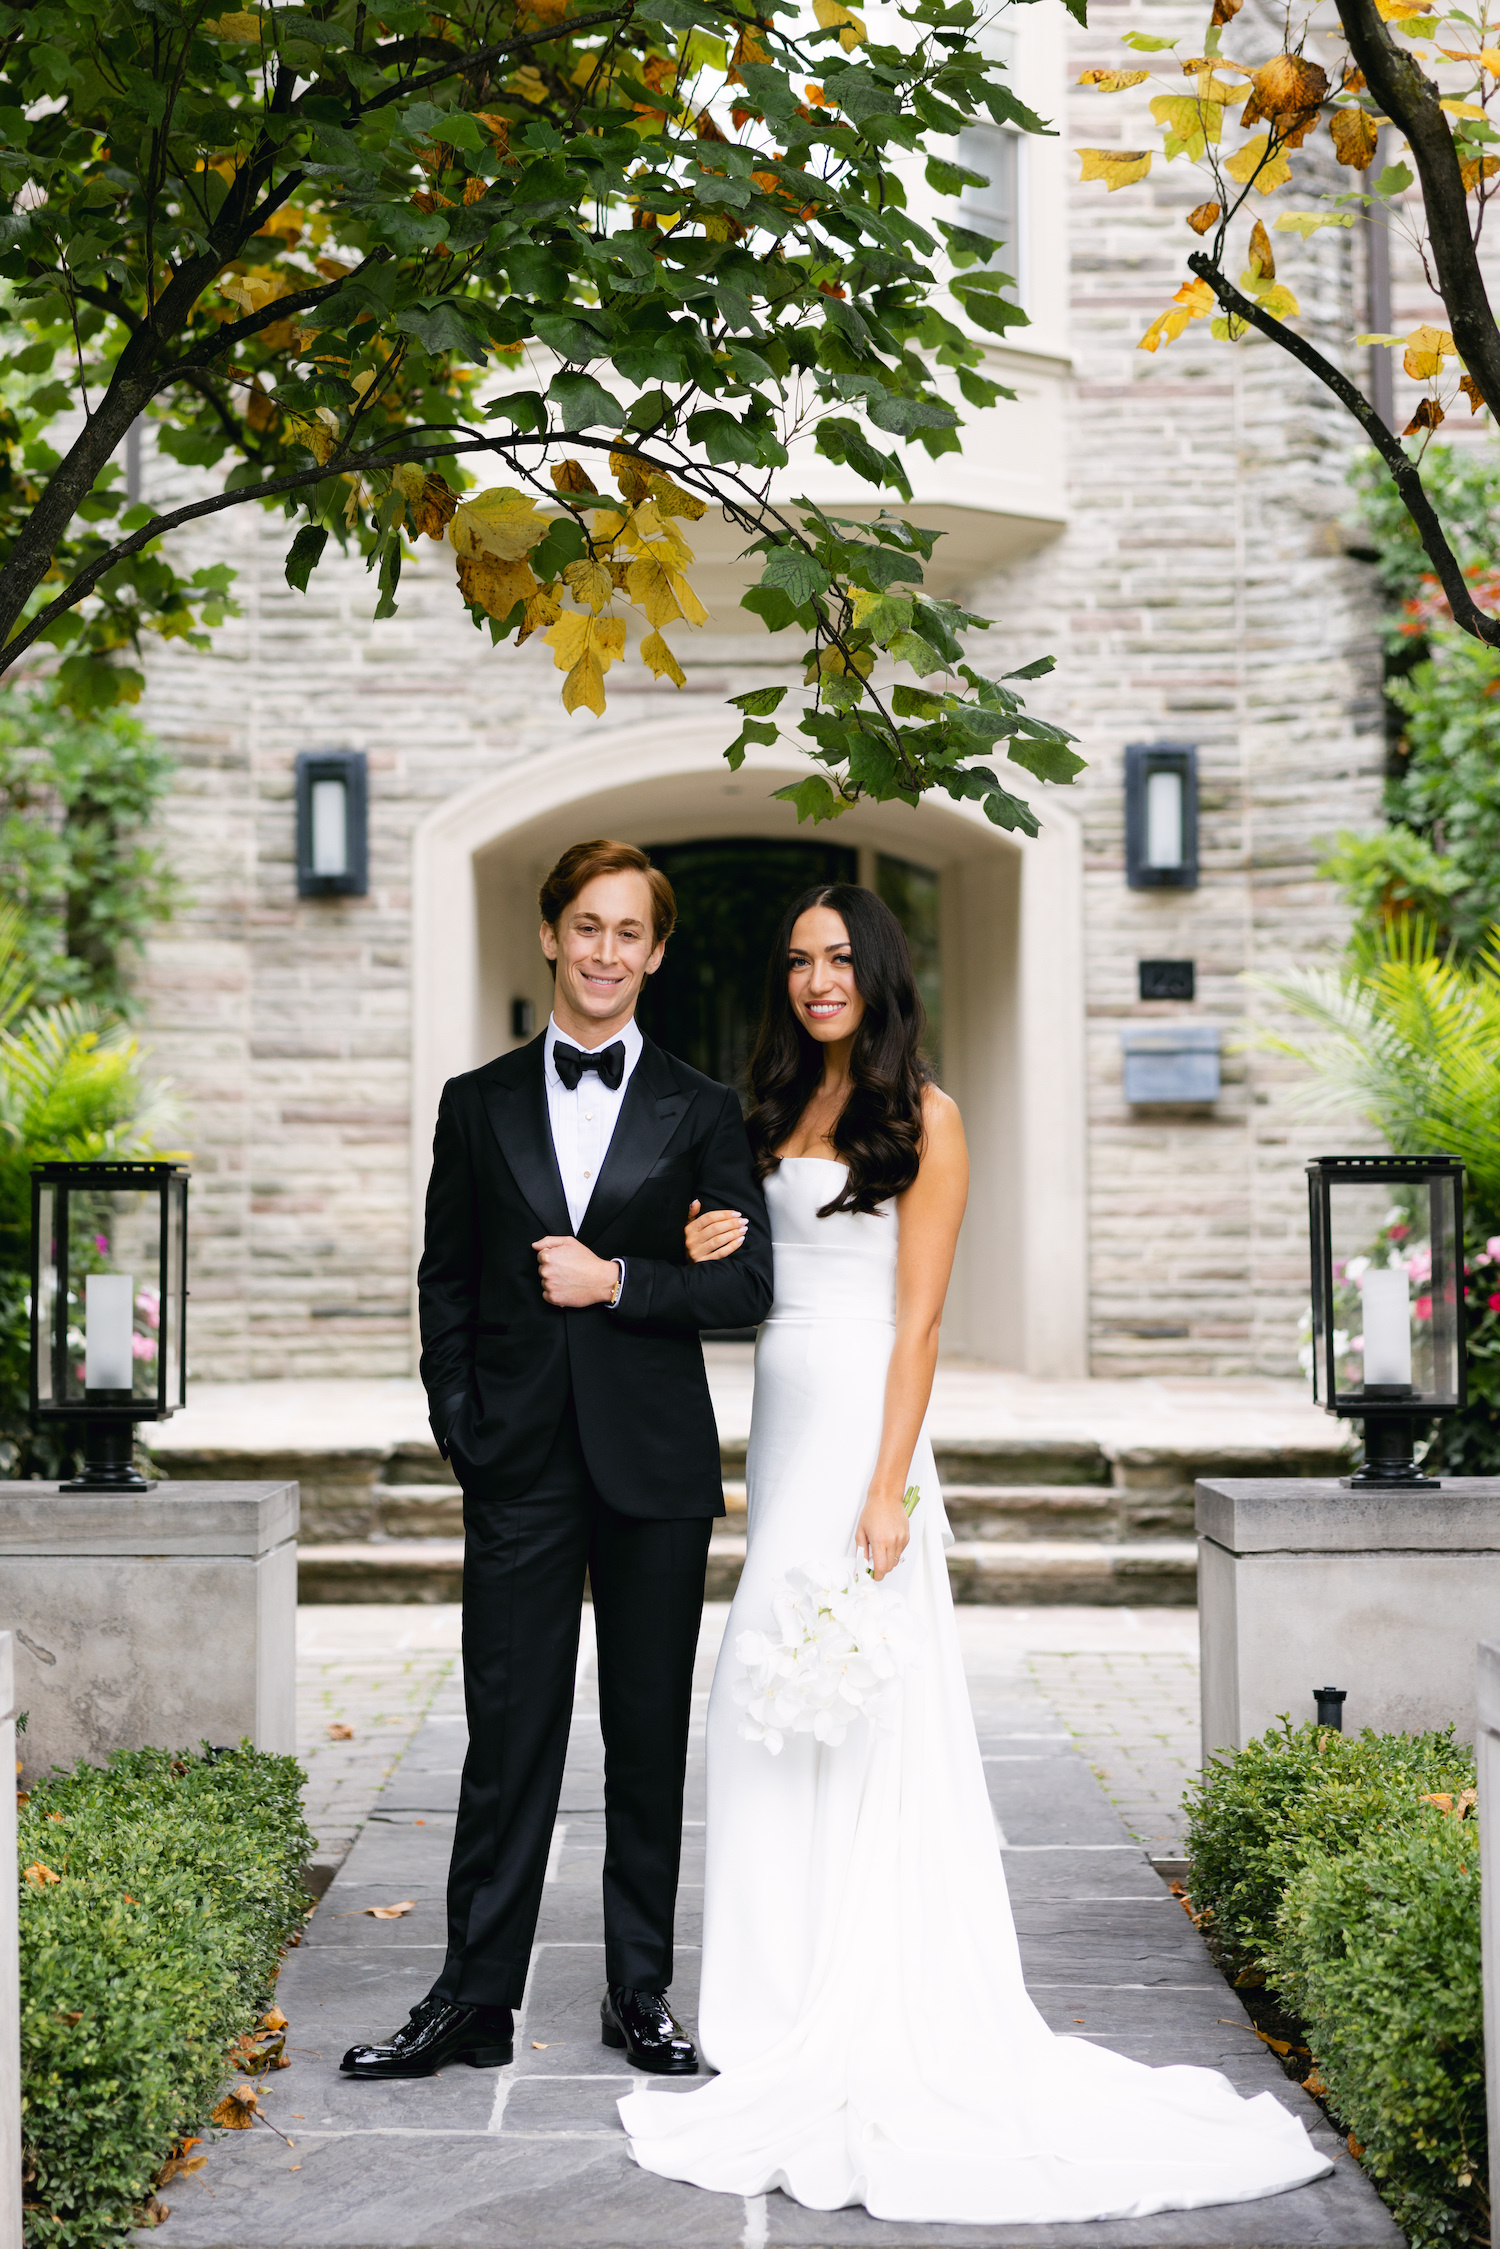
[[157, 1894], [1318, 1863]]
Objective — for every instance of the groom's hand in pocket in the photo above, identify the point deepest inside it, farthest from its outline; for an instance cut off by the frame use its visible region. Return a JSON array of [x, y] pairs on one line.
[[572, 1276], [716, 1234]]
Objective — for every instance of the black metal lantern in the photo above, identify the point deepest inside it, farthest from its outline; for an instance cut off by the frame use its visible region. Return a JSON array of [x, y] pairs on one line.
[[1387, 1302], [108, 1306]]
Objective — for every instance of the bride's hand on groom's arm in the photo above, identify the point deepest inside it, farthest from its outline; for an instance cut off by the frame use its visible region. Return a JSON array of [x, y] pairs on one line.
[[884, 1532], [716, 1234]]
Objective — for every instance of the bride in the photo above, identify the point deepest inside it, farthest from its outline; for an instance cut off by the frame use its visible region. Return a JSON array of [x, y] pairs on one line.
[[862, 1996]]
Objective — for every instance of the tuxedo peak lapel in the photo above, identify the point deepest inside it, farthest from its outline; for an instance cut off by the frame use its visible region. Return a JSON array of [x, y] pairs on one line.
[[653, 1107], [515, 1102]]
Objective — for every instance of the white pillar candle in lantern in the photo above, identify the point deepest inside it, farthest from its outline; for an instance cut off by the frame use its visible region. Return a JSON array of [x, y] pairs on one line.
[[1387, 1326], [330, 827], [109, 1323]]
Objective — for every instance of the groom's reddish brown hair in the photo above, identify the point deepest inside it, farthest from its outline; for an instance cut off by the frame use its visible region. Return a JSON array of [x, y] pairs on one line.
[[582, 861]]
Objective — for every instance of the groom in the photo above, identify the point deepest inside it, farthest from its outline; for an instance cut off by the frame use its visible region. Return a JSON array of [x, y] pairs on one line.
[[560, 1355]]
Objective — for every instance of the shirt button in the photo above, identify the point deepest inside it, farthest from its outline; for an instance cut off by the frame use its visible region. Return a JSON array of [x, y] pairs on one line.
[[588, 1175], [588, 1116]]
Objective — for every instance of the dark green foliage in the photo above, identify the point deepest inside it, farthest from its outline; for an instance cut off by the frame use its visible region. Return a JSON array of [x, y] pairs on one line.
[[180, 1887], [1463, 483], [1378, 1952], [76, 796], [1318, 1867]]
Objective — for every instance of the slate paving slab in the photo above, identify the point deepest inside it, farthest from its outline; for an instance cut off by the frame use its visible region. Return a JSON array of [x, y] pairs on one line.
[[532, 2157]]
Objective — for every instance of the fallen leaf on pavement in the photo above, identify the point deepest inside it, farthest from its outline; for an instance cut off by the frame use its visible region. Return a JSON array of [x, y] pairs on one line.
[[341, 1733], [392, 1912], [236, 2112]]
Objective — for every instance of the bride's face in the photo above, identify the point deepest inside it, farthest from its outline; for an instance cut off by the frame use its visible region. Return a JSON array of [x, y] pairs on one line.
[[820, 977]]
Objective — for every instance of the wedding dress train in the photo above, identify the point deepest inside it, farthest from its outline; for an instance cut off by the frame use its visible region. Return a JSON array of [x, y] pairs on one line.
[[862, 1994]]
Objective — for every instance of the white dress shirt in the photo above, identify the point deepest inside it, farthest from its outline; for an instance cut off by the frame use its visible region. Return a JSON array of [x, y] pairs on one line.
[[583, 1120]]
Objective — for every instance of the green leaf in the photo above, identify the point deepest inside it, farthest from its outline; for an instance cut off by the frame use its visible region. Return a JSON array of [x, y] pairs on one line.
[[903, 416], [584, 404], [759, 702], [750, 732], [796, 573], [952, 179], [814, 798], [916, 702], [1048, 760], [304, 554], [446, 325], [911, 648], [840, 439], [772, 605], [723, 439], [1038, 668]]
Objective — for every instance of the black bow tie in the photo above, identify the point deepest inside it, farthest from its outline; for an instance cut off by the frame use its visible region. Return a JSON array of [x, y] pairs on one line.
[[570, 1062]]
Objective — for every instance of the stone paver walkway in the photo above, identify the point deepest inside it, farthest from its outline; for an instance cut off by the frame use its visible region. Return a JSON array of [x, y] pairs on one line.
[[366, 1677], [1133, 1714], [532, 2157]]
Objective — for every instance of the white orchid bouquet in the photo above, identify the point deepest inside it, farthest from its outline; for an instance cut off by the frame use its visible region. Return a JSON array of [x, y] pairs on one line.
[[838, 1652]]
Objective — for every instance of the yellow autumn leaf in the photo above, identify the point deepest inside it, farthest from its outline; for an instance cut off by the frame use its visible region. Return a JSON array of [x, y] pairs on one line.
[[645, 533], [589, 583], [584, 648], [542, 610], [1228, 328], [670, 499], [1355, 136], [493, 585], [572, 476], [1262, 257], [1278, 301], [1189, 124], [251, 290], [1397, 11], [1205, 216], [1488, 58], [851, 27], [656, 653], [1117, 167], [663, 592], [1463, 109], [1306, 223], [242, 28], [1426, 349], [607, 526], [501, 521], [1193, 301], [1250, 163], [1113, 81], [529, 83], [1477, 169]]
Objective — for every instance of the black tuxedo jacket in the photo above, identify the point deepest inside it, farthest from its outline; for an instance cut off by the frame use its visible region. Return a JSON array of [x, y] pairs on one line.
[[498, 1362]]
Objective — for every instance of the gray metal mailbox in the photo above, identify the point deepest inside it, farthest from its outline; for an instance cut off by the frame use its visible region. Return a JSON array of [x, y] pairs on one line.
[[1171, 1062]]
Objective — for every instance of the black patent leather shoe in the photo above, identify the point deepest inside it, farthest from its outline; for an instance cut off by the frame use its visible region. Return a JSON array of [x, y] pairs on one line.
[[440, 2031], [653, 2038]]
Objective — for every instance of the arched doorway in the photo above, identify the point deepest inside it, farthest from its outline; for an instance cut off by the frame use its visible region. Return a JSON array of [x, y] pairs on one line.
[[999, 924]]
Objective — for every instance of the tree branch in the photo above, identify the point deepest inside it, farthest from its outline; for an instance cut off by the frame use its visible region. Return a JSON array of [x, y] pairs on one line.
[[1411, 99], [1404, 472]]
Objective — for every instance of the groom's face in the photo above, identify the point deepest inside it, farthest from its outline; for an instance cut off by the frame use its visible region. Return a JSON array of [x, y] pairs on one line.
[[605, 948]]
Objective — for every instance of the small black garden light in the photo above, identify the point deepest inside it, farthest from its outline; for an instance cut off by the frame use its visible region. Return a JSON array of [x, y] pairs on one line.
[[1330, 1702], [108, 1306], [1387, 1302]]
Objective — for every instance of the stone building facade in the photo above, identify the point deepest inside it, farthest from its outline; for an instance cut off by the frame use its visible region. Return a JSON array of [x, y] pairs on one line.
[[1171, 528]]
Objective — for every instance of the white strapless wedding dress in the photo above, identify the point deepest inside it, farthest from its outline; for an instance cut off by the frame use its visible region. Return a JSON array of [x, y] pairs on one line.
[[862, 1994]]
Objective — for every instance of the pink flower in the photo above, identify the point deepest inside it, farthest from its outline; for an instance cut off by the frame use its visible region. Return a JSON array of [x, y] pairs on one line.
[[1493, 1246], [142, 1347], [148, 1304], [1419, 1265], [101, 1244], [1495, 1301], [1422, 1309], [1398, 1233]]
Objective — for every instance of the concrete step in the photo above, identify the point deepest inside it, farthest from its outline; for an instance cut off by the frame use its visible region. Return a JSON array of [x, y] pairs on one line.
[[997, 1486], [1143, 1573]]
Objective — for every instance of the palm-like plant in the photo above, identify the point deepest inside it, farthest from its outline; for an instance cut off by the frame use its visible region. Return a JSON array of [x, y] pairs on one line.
[[1410, 1038], [1409, 1035]]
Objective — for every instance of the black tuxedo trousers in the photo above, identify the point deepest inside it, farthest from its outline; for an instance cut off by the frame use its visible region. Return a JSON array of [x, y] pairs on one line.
[[524, 1565]]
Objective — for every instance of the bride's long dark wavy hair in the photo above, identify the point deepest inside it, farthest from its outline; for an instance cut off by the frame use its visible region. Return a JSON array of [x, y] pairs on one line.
[[879, 1131]]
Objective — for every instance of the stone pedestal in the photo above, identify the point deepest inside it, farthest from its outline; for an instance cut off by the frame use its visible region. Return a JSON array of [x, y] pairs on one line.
[[1303, 1584], [1487, 1753], [10, 1977], [164, 1618]]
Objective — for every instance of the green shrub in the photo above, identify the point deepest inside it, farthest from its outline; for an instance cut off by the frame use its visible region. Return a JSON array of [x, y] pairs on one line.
[[179, 1886], [1377, 1951], [1256, 1817], [1318, 1867]]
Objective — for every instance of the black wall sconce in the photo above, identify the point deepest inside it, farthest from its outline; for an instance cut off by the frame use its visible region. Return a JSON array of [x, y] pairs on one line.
[[333, 824], [1161, 816]]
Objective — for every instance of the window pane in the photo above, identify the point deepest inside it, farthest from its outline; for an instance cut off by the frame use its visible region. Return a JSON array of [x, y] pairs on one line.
[[993, 209]]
